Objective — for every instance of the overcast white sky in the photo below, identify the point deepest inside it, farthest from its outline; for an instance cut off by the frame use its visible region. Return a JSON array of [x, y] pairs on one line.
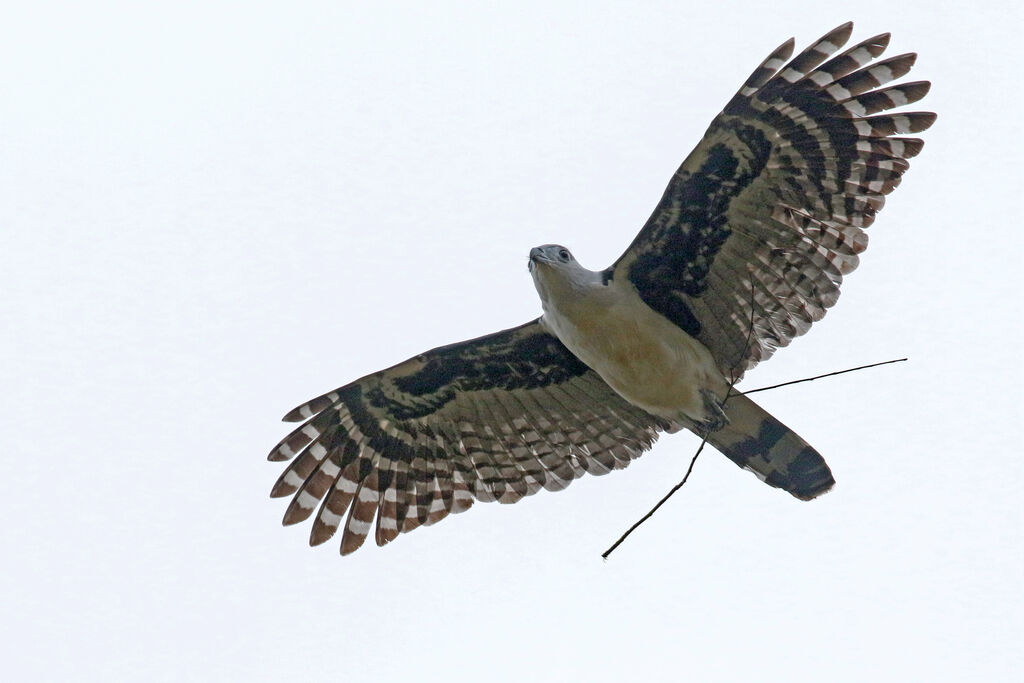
[[214, 211]]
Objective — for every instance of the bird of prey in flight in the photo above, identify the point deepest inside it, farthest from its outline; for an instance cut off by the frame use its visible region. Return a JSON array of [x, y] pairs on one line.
[[747, 248]]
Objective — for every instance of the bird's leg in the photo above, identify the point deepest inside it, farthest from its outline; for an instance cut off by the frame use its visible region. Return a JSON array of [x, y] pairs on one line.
[[715, 417]]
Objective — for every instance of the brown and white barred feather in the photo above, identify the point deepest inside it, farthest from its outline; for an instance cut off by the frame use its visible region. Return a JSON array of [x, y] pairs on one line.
[[495, 418], [770, 207]]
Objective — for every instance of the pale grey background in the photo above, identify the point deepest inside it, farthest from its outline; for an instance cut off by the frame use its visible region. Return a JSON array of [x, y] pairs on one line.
[[214, 211]]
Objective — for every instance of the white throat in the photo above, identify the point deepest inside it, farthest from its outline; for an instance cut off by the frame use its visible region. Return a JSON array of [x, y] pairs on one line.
[[565, 288]]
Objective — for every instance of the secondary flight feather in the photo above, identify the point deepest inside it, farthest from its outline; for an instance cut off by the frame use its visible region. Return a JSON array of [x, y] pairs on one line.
[[745, 250]]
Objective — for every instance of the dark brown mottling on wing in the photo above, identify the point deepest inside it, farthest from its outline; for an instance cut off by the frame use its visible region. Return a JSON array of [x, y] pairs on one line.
[[512, 361], [494, 418], [768, 211]]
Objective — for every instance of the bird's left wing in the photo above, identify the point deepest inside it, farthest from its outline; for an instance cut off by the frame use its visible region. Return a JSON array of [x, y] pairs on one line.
[[763, 219], [494, 418]]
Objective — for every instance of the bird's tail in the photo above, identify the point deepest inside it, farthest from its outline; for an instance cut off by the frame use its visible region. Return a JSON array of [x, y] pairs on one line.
[[758, 442]]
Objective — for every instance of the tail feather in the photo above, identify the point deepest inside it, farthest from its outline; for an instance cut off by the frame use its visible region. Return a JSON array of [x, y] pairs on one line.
[[758, 442]]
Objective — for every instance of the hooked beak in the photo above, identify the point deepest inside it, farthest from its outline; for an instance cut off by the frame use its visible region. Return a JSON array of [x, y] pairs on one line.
[[536, 256]]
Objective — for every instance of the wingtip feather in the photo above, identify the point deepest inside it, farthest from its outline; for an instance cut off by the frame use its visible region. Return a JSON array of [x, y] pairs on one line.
[[295, 414], [840, 34]]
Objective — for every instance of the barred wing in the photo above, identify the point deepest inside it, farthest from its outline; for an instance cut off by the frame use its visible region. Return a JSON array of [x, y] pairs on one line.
[[763, 219], [494, 418]]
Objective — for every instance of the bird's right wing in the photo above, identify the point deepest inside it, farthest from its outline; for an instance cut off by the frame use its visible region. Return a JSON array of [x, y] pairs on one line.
[[494, 418]]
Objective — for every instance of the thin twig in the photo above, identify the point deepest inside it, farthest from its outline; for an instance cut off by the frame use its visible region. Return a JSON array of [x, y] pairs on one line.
[[661, 502], [828, 374]]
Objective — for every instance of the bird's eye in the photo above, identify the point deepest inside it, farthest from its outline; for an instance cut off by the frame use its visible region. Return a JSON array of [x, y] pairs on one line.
[[563, 254]]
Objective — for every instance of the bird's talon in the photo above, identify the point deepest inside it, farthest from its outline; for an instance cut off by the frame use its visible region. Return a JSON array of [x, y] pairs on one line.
[[716, 417]]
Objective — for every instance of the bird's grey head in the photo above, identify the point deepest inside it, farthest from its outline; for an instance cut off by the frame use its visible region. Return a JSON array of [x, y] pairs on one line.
[[550, 256], [557, 274]]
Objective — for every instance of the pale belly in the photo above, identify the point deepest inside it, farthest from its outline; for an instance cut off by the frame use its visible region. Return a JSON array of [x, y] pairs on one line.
[[645, 358]]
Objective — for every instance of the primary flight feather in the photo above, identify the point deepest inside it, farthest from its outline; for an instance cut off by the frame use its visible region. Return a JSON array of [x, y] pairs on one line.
[[747, 248]]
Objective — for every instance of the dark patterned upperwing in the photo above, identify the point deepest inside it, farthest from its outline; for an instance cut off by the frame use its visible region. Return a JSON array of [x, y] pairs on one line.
[[763, 219], [494, 418]]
